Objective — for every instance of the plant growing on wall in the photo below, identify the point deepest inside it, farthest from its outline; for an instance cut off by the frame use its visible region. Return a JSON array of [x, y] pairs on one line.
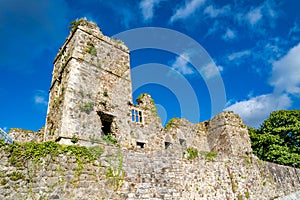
[[87, 107], [109, 139], [115, 172], [74, 139], [91, 49], [192, 153], [171, 123]]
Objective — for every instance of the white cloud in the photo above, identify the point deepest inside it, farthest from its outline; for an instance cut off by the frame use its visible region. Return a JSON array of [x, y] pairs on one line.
[[40, 98], [147, 7], [286, 72], [294, 29], [181, 64], [188, 9], [260, 17], [211, 70], [256, 109], [254, 16], [285, 79], [229, 35], [213, 29], [215, 12], [238, 55]]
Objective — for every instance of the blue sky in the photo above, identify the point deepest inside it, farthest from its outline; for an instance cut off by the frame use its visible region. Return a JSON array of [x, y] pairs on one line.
[[255, 45]]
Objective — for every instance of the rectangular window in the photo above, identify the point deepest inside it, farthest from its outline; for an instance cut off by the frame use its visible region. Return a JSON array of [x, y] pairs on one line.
[[136, 116]]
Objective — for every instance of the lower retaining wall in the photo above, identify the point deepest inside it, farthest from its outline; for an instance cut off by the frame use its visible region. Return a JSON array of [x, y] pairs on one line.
[[145, 175]]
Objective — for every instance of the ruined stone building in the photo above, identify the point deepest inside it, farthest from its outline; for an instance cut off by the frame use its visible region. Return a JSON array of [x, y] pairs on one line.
[[91, 101], [91, 93], [91, 97]]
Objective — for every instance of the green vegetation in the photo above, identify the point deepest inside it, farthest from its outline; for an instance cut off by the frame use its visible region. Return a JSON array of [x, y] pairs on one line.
[[192, 153], [92, 50], [74, 24], [3, 181], [87, 107], [247, 195], [278, 138], [109, 139], [105, 93], [74, 139], [16, 176], [171, 123], [96, 151], [115, 172], [21, 153], [209, 155]]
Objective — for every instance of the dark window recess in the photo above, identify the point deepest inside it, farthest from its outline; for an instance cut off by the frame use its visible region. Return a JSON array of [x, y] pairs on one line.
[[182, 142], [140, 145], [167, 145], [106, 121]]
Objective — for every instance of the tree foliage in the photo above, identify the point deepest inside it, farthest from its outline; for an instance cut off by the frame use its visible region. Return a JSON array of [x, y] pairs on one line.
[[277, 139]]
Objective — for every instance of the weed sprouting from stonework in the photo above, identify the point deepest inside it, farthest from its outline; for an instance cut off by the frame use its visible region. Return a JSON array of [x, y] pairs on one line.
[[16, 176], [171, 123], [209, 155], [97, 151], [87, 107], [115, 172], [192, 153], [109, 139], [74, 139], [92, 50]]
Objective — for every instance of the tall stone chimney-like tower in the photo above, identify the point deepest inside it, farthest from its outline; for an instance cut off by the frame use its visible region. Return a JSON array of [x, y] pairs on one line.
[[91, 92]]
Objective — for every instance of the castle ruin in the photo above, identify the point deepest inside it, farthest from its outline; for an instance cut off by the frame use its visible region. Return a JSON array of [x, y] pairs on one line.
[[91, 101], [91, 98]]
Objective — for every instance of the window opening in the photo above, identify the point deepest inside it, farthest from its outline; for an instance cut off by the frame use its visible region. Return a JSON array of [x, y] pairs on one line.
[[106, 121], [182, 142], [136, 116], [167, 145], [140, 145]]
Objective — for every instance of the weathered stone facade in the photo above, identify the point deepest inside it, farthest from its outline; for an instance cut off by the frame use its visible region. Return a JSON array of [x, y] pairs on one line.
[[91, 93], [154, 175], [21, 135], [91, 99]]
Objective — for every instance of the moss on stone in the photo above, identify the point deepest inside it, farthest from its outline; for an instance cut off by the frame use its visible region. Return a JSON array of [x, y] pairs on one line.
[[171, 123]]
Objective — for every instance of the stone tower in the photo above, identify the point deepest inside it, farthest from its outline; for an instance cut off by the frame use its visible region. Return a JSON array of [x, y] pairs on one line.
[[91, 93], [91, 86]]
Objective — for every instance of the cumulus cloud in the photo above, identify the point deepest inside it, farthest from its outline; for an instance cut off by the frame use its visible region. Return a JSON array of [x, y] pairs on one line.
[[211, 70], [186, 10], [259, 17], [213, 12], [147, 7], [40, 98], [286, 82], [286, 73], [229, 35], [254, 16], [181, 64], [254, 110]]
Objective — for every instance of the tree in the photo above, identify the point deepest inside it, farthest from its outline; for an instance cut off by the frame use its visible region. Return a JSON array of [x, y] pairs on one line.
[[278, 138]]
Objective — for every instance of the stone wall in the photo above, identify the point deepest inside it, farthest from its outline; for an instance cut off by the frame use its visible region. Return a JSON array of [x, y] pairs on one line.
[[21, 135], [163, 174], [91, 87]]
